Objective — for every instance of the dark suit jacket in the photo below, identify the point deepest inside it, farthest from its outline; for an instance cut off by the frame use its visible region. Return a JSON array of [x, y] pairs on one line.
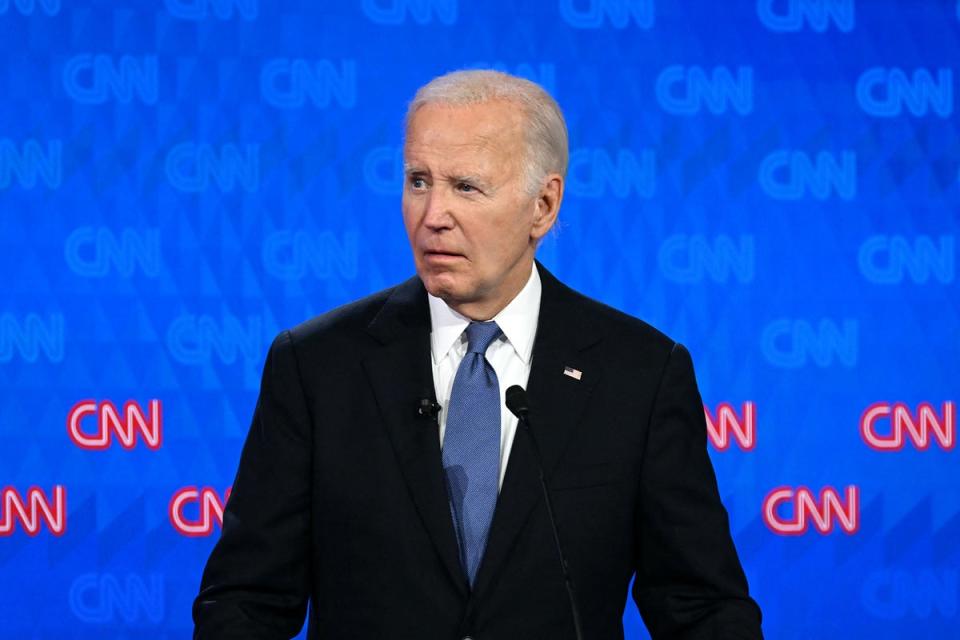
[[340, 497]]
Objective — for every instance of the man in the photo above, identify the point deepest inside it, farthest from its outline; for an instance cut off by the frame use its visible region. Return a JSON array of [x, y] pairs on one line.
[[395, 518]]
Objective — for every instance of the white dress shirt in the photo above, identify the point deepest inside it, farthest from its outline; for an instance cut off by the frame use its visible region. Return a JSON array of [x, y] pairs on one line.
[[509, 355]]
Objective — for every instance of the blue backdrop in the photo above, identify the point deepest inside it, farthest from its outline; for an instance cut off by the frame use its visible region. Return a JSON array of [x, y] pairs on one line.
[[775, 183]]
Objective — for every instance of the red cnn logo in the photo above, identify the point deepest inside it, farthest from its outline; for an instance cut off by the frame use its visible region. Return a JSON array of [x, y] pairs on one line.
[[109, 422], [919, 426], [823, 512], [210, 510], [727, 422], [30, 511]]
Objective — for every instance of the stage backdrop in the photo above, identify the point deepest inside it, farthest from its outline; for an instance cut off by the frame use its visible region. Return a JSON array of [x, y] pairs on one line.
[[774, 183]]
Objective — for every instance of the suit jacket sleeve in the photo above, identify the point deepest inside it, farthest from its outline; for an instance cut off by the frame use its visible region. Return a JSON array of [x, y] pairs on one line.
[[256, 582], [689, 580]]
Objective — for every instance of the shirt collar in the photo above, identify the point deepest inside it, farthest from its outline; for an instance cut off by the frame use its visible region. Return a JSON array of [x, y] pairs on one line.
[[518, 321]]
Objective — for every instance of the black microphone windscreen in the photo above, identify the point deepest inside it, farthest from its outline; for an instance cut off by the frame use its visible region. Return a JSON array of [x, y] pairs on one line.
[[516, 401]]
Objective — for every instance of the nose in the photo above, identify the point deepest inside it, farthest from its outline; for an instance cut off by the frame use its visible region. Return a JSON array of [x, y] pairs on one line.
[[438, 215]]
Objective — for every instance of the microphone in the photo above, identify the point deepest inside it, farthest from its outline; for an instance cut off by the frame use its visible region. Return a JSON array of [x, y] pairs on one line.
[[428, 409], [516, 401]]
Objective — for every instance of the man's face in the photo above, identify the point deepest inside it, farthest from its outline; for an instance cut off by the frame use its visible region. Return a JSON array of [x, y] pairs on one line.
[[472, 226]]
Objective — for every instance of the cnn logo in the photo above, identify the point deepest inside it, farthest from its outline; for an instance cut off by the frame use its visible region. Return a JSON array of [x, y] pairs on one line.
[[823, 510], [886, 426], [725, 426], [193, 511], [33, 510], [106, 423]]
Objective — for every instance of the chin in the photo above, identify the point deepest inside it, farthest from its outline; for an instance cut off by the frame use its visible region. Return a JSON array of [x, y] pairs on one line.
[[439, 285], [444, 286]]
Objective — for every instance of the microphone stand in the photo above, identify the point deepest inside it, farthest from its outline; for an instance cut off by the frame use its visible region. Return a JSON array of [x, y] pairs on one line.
[[519, 408]]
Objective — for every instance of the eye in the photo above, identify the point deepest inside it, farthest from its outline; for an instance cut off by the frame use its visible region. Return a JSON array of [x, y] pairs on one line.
[[466, 187], [416, 182]]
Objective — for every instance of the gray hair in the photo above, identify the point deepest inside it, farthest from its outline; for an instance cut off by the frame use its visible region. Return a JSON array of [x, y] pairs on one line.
[[545, 130]]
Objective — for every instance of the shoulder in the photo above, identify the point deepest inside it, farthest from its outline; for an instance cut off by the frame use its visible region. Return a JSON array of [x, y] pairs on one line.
[[646, 360], [345, 329], [624, 325], [343, 320], [594, 317]]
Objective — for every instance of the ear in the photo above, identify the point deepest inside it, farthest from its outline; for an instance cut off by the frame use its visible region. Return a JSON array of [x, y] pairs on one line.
[[547, 206]]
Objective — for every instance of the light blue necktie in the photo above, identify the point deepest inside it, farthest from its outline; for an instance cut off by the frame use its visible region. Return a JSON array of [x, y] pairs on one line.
[[471, 446]]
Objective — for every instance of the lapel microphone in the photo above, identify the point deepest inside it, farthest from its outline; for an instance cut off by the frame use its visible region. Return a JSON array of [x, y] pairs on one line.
[[428, 409], [516, 401]]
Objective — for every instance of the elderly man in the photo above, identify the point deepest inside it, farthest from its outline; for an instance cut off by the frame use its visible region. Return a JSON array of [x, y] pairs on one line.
[[385, 482]]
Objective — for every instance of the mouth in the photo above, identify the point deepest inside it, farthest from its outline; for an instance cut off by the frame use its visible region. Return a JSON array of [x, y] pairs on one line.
[[441, 256]]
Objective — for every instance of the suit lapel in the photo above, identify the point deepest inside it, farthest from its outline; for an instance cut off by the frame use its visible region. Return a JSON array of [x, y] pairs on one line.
[[557, 402], [400, 373]]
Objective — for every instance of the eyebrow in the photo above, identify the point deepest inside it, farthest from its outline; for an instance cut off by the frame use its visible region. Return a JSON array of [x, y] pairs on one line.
[[474, 179], [413, 169]]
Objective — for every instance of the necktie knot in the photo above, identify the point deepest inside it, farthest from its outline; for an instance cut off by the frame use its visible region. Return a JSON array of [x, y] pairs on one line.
[[480, 335]]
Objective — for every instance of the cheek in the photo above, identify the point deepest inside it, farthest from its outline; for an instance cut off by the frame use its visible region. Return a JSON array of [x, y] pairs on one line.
[[409, 218], [497, 246], [512, 234]]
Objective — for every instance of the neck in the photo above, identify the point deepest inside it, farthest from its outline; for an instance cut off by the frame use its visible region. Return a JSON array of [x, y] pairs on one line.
[[486, 309]]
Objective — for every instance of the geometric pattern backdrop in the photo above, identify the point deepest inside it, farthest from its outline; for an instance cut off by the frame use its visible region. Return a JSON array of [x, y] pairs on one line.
[[774, 183]]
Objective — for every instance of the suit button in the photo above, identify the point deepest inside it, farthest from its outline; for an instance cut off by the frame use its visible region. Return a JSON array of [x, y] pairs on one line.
[[467, 638]]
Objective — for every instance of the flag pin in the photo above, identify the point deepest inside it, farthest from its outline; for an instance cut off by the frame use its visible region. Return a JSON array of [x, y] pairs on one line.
[[576, 374]]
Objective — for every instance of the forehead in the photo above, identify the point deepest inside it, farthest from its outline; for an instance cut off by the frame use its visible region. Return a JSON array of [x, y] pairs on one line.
[[490, 130]]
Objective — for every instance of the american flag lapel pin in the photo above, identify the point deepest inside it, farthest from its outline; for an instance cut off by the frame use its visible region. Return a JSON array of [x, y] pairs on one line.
[[576, 374]]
